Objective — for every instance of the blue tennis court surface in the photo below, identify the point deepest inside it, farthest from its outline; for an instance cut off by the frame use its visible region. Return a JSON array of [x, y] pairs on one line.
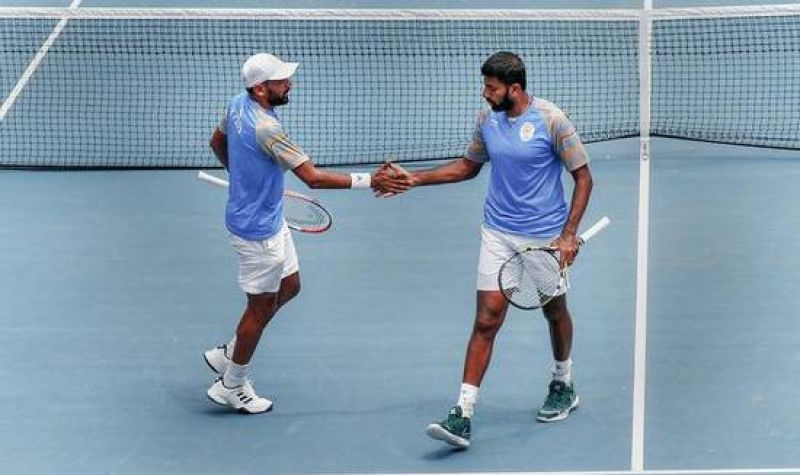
[[116, 281], [113, 283], [137, 273]]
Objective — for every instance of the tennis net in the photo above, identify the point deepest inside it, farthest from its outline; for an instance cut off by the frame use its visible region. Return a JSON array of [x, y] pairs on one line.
[[145, 88]]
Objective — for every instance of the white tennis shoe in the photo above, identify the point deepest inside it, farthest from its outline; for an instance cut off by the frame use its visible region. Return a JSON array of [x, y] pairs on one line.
[[218, 359], [242, 398]]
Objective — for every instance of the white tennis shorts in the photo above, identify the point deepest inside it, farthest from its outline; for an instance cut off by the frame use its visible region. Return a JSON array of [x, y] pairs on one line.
[[496, 248], [263, 264]]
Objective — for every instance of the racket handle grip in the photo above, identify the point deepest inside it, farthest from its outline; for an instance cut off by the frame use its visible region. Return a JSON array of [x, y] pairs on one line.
[[594, 229], [201, 175]]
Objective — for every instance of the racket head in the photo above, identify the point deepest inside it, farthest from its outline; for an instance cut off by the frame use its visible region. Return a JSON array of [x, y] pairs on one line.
[[531, 278], [304, 213]]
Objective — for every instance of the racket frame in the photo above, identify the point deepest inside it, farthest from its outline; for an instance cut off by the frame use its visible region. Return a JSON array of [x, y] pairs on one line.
[[222, 183], [601, 224]]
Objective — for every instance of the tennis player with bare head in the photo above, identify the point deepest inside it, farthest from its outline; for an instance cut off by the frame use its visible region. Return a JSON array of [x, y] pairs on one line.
[[252, 145], [529, 142]]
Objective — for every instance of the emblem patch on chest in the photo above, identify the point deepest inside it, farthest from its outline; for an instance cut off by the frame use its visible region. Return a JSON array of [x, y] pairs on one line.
[[527, 131]]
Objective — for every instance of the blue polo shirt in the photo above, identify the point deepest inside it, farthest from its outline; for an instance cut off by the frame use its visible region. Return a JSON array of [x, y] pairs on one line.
[[528, 154], [259, 152]]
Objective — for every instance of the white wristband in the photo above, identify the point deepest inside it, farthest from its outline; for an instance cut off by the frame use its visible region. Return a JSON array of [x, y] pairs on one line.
[[360, 180]]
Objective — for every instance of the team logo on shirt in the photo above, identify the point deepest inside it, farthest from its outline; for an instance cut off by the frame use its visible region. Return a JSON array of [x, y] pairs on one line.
[[527, 131]]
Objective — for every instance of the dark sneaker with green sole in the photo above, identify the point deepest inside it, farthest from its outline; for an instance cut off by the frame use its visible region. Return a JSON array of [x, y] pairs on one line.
[[454, 430], [561, 400]]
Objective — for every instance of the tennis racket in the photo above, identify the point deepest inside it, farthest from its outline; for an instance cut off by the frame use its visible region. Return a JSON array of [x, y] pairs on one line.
[[531, 278], [302, 213]]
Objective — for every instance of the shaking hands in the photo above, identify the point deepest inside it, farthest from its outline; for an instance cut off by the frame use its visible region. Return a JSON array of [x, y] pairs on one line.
[[391, 179]]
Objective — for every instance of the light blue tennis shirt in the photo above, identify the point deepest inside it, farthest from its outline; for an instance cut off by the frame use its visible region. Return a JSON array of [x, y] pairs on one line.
[[528, 154], [259, 152]]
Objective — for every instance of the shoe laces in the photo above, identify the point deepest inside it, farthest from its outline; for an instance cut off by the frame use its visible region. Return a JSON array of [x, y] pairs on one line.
[[557, 394], [456, 419], [248, 389]]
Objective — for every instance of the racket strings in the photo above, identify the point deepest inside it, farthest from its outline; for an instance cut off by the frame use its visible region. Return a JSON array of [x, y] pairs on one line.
[[531, 279], [304, 214]]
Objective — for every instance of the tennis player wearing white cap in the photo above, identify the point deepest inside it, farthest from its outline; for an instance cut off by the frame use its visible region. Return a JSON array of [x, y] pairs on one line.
[[252, 145]]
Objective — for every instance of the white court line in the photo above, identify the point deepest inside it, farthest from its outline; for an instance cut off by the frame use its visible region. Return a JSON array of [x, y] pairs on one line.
[[26, 76], [642, 242]]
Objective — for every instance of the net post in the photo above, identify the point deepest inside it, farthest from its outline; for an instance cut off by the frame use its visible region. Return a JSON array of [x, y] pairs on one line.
[[642, 239]]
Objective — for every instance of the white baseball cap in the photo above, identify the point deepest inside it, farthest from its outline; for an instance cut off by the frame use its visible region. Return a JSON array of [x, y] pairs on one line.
[[265, 67]]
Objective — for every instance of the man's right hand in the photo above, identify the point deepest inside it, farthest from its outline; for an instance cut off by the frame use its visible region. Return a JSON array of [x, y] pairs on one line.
[[390, 180]]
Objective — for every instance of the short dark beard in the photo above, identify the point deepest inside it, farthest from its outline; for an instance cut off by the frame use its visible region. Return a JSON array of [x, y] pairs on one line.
[[505, 104], [277, 100]]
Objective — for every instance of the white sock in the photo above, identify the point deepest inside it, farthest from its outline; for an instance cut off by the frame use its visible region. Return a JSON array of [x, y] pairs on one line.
[[229, 347], [235, 375], [467, 398], [562, 371]]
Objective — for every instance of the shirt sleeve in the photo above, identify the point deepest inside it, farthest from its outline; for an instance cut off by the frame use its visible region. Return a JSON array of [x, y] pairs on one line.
[[476, 150], [567, 143], [273, 140], [223, 124]]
